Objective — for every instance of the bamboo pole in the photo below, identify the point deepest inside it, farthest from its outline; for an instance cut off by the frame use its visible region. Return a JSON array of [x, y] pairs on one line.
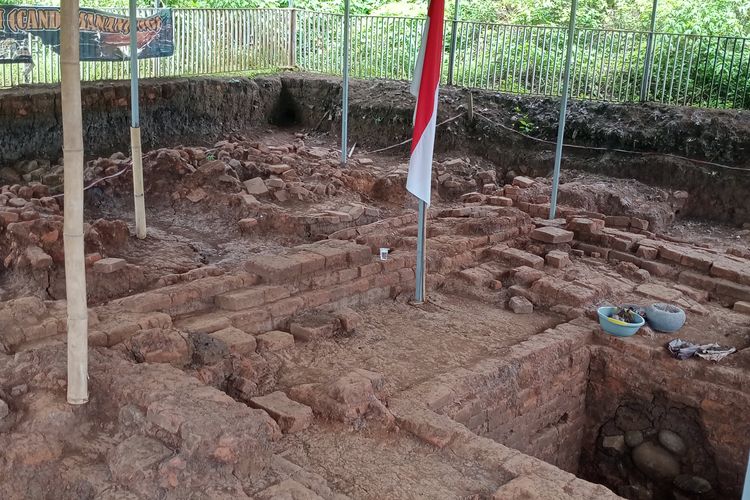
[[135, 130], [75, 268]]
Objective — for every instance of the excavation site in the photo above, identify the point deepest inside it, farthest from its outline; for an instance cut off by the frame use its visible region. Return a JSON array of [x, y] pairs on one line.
[[263, 339]]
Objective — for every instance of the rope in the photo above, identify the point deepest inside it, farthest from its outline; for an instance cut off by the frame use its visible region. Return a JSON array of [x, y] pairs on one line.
[[625, 151], [575, 146], [102, 179], [407, 141]]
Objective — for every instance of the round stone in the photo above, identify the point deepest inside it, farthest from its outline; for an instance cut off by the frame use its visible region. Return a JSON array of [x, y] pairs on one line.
[[655, 462], [672, 442], [633, 438], [692, 484]]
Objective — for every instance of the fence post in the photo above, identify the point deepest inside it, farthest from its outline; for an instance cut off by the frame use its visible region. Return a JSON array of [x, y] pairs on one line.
[[292, 35], [646, 83], [452, 56]]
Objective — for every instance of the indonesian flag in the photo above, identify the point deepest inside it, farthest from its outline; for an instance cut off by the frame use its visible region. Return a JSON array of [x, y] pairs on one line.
[[425, 88]]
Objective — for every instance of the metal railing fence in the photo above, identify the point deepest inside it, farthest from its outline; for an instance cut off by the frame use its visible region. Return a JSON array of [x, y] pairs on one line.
[[608, 65]]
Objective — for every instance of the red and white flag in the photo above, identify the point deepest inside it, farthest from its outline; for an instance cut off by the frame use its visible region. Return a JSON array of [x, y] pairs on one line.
[[425, 88]]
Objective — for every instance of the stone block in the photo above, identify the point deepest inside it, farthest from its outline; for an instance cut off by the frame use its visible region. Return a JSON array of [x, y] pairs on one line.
[[109, 265], [742, 307], [256, 186], [290, 415], [38, 258], [247, 225]]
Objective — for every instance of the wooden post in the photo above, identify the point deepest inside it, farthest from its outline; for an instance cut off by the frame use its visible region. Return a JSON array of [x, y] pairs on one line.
[[75, 268], [139, 203]]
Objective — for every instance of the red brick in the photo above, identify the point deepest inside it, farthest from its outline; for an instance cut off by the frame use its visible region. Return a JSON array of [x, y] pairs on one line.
[[647, 252], [369, 269], [316, 298], [500, 201], [346, 275], [585, 225], [518, 257], [286, 307], [273, 268], [336, 258], [557, 259], [238, 300], [637, 223], [290, 415], [523, 182], [552, 235], [309, 262], [274, 340], [237, 341]]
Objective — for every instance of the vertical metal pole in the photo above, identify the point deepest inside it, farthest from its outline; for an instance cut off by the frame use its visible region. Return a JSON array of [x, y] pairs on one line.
[[292, 36], [646, 82], [135, 129], [563, 109], [421, 274], [452, 55], [345, 93]]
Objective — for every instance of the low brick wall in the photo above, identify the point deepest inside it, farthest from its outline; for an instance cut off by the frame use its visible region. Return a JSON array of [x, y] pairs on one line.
[[530, 397]]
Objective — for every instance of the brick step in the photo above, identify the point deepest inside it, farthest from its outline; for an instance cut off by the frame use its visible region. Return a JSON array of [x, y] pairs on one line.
[[247, 298], [203, 323], [185, 297]]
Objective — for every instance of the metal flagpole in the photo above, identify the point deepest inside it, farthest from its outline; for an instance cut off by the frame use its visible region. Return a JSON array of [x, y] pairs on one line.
[[75, 267], [563, 109], [421, 275], [345, 93], [135, 129]]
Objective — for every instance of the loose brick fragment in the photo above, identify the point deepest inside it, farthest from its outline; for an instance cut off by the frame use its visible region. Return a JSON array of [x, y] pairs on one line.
[[557, 259]]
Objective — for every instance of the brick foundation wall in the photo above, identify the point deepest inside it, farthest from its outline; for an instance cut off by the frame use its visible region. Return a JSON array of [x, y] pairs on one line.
[[530, 397]]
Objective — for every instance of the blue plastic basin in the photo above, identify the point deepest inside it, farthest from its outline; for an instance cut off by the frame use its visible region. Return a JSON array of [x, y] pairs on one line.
[[615, 329]]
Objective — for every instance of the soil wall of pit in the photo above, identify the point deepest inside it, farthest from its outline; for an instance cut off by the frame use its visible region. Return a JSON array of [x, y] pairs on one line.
[[201, 110], [175, 111]]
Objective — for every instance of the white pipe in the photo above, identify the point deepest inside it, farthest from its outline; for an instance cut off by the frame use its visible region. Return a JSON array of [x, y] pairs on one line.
[[75, 268]]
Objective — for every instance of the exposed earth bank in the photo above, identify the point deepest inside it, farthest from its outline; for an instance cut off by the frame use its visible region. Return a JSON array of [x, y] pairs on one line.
[[199, 110]]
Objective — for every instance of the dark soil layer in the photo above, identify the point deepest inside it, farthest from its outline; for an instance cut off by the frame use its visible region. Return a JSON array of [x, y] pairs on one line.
[[201, 110]]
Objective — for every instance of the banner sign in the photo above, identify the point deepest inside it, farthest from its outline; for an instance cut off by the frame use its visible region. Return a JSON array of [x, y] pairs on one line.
[[104, 36]]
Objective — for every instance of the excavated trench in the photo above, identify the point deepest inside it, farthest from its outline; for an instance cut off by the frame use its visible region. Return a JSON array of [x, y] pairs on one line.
[[613, 413]]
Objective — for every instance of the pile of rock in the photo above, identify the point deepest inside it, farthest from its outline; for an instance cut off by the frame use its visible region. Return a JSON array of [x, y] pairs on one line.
[[656, 451]]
